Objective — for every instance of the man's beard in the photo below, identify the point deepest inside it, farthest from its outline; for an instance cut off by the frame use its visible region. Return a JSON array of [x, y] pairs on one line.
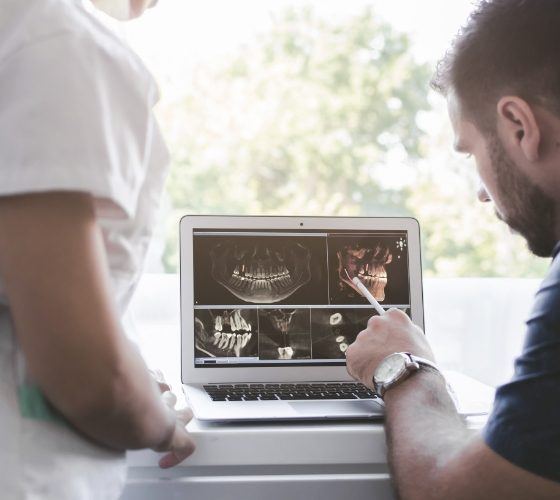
[[527, 209]]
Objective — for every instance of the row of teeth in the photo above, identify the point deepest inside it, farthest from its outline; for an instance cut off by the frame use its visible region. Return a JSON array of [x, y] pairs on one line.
[[361, 274], [237, 322], [260, 284], [232, 340], [259, 273]]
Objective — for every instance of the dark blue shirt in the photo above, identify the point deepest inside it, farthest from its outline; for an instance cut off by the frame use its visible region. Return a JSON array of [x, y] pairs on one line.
[[524, 426]]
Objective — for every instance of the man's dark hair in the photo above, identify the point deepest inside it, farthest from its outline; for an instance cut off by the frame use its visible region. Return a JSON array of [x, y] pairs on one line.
[[507, 47]]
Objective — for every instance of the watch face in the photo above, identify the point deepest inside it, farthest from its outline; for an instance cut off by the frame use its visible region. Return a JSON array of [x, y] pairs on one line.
[[389, 368]]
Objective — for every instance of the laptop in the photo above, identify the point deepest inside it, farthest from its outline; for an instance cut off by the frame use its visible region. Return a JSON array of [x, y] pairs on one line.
[[268, 311]]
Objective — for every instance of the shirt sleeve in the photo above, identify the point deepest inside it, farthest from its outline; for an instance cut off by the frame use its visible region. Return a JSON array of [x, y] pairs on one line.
[[73, 117], [524, 426]]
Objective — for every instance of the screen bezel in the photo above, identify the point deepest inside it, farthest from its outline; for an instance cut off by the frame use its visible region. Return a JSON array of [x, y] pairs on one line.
[[189, 223]]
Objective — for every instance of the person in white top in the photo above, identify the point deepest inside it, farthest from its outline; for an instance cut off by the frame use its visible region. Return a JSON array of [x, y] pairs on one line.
[[82, 166]]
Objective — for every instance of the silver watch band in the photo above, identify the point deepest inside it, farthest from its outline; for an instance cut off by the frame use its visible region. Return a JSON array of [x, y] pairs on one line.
[[415, 364]]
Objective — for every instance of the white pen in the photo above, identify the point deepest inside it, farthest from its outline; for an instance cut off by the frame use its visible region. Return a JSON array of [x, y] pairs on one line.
[[365, 292]]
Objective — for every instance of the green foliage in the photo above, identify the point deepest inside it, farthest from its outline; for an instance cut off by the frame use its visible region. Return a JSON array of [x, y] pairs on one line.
[[319, 117], [304, 120]]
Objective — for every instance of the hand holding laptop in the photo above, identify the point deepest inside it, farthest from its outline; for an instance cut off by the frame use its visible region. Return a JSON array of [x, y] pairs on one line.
[[385, 335]]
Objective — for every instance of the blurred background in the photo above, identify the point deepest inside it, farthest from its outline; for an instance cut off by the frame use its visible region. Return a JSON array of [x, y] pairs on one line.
[[318, 108], [324, 108]]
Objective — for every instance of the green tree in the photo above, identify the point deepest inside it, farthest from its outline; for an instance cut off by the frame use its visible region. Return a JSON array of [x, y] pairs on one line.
[[320, 117], [308, 119]]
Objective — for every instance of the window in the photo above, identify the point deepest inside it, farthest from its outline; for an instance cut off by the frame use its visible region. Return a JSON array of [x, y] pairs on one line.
[[291, 107]]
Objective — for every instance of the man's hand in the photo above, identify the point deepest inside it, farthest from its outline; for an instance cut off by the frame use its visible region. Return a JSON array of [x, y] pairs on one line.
[[384, 335]]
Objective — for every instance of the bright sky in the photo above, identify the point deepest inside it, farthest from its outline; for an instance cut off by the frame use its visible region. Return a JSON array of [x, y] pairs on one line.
[[178, 33]]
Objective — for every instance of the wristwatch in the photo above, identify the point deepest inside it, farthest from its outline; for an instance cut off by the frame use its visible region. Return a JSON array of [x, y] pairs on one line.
[[397, 367]]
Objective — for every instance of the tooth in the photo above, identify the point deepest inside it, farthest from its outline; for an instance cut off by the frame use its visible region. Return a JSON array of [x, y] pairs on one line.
[[217, 337], [223, 340], [343, 346], [289, 352], [218, 324], [245, 338], [340, 338], [238, 320], [232, 341], [236, 270], [335, 319], [238, 345]]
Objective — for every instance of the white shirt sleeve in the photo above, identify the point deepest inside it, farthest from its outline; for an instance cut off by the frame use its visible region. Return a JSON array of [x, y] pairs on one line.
[[73, 117]]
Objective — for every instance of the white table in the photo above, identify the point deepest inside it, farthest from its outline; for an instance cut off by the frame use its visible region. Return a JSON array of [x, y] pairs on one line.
[[283, 461]]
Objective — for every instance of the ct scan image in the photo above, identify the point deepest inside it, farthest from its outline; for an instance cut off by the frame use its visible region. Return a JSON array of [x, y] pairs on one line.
[[379, 262], [225, 333], [334, 329], [260, 270], [284, 334]]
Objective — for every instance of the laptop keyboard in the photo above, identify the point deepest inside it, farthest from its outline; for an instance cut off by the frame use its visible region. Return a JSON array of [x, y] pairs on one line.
[[288, 392]]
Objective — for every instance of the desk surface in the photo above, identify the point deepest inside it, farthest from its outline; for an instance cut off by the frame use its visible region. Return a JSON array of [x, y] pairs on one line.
[[303, 442]]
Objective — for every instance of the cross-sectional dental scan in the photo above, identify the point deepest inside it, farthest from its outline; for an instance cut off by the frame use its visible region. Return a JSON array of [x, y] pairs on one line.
[[379, 262], [333, 330], [264, 298], [225, 333], [264, 270], [284, 334]]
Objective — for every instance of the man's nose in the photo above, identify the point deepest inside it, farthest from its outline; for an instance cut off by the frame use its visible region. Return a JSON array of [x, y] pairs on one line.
[[482, 194]]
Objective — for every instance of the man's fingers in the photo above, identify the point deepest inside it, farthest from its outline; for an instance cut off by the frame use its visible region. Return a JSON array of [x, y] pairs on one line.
[[349, 359], [374, 321]]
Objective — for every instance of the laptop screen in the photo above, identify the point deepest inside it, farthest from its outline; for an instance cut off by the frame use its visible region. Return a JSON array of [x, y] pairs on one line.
[[285, 298]]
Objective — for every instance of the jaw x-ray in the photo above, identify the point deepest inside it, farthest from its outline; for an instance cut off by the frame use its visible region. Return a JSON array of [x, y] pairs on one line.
[[226, 333], [380, 263], [260, 270]]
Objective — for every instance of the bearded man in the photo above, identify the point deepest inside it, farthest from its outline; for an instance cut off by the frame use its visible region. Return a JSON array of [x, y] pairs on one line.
[[501, 79]]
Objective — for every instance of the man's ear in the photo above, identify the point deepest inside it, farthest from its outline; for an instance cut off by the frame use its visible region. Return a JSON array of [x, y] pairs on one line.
[[518, 127]]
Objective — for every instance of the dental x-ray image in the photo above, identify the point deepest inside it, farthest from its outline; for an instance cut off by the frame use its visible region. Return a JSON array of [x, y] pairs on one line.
[[284, 334], [379, 262], [259, 270], [225, 333], [333, 330]]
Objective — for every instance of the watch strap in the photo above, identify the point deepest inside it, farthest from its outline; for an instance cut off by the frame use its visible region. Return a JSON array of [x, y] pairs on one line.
[[416, 363]]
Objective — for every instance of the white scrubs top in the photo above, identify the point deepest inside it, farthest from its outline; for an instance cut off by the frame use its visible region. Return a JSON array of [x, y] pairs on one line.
[[75, 114]]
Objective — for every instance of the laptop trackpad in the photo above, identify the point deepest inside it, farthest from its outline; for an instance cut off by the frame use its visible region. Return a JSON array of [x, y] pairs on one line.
[[330, 409]]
